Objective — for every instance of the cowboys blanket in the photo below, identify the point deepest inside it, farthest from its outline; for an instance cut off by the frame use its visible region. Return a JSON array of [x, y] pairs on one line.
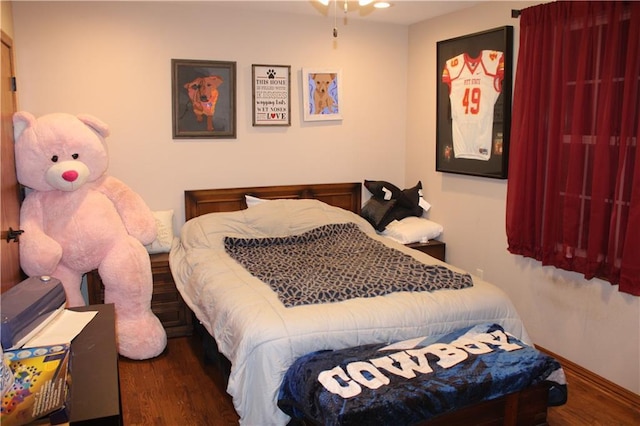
[[415, 380]]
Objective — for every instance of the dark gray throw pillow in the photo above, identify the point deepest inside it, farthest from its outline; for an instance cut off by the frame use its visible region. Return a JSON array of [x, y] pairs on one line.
[[378, 212]]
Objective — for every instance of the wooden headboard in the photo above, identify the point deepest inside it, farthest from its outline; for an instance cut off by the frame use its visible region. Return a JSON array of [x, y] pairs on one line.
[[202, 201]]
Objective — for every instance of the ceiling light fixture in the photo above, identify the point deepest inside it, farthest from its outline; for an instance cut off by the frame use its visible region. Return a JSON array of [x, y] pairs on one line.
[[377, 4]]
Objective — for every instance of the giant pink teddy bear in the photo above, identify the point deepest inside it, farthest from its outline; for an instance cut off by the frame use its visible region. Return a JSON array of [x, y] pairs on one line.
[[77, 219]]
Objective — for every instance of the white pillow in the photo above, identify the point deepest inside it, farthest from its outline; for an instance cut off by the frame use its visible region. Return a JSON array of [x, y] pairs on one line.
[[164, 239], [253, 201], [412, 229]]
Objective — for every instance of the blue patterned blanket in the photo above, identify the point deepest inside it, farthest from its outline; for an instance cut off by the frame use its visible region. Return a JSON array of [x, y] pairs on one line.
[[336, 262], [415, 380]]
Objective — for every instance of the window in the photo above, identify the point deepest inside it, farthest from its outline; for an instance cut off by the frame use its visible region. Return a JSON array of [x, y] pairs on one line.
[[573, 198]]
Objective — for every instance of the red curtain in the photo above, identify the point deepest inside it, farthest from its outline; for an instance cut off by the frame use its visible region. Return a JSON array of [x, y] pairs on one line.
[[573, 197]]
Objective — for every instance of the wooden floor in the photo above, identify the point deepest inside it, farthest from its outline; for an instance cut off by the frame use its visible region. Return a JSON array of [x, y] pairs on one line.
[[177, 388]]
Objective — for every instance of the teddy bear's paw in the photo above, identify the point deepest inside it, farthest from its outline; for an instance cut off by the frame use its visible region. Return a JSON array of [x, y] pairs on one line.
[[74, 298], [142, 337]]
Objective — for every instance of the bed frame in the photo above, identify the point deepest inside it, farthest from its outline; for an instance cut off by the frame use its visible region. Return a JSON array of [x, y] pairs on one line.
[[525, 408], [198, 202]]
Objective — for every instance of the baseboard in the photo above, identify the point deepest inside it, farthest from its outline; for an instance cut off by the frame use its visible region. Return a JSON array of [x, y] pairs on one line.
[[623, 395]]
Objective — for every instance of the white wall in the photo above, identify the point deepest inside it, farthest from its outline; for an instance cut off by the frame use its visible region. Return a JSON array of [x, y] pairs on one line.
[[112, 60], [588, 322]]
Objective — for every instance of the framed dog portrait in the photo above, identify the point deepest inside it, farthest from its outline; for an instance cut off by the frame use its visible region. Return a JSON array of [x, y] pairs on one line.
[[271, 95], [474, 103], [204, 99], [322, 94]]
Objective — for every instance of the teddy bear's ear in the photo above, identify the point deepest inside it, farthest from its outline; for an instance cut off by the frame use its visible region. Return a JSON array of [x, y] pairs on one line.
[[22, 120], [95, 123]]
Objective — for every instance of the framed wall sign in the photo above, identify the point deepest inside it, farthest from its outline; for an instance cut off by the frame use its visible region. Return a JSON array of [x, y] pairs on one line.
[[271, 95], [321, 94], [474, 103], [204, 99]]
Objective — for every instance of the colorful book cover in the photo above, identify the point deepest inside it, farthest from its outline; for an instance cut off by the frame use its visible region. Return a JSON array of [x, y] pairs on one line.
[[41, 383]]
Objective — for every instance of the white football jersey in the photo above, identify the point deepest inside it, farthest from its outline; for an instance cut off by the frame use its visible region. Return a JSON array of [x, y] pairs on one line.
[[474, 86]]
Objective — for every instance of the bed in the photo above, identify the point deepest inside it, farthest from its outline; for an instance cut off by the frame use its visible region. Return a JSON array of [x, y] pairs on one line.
[[262, 338]]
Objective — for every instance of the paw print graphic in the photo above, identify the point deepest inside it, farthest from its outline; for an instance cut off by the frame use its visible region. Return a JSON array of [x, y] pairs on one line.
[[271, 73]]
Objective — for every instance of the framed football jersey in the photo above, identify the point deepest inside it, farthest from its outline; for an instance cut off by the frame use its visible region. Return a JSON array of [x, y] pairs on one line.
[[474, 81]]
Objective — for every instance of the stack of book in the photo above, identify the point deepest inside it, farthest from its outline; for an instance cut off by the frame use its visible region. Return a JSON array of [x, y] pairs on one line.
[[40, 385], [35, 380]]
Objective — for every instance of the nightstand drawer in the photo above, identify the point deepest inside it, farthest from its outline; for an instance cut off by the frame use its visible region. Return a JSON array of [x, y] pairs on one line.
[[162, 275], [166, 302], [433, 248], [175, 319], [164, 292]]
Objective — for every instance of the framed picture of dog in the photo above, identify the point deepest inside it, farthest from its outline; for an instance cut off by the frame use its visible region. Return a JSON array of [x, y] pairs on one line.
[[322, 94], [474, 103], [204, 99], [271, 95]]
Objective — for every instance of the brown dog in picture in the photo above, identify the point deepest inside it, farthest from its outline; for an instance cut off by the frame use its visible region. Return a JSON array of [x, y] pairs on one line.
[[321, 97], [203, 93]]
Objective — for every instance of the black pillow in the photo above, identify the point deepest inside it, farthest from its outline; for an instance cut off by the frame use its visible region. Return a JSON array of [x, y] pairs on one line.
[[378, 212], [412, 195], [407, 198], [384, 190], [399, 213]]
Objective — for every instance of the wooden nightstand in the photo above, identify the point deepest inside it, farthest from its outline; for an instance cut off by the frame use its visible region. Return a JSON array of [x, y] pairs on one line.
[[166, 302], [433, 248]]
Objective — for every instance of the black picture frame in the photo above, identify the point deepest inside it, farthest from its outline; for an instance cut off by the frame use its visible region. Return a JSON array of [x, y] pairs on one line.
[[271, 95], [475, 155], [203, 99]]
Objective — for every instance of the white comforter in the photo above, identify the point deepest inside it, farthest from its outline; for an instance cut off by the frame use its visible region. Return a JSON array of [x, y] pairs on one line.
[[262, 338]]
